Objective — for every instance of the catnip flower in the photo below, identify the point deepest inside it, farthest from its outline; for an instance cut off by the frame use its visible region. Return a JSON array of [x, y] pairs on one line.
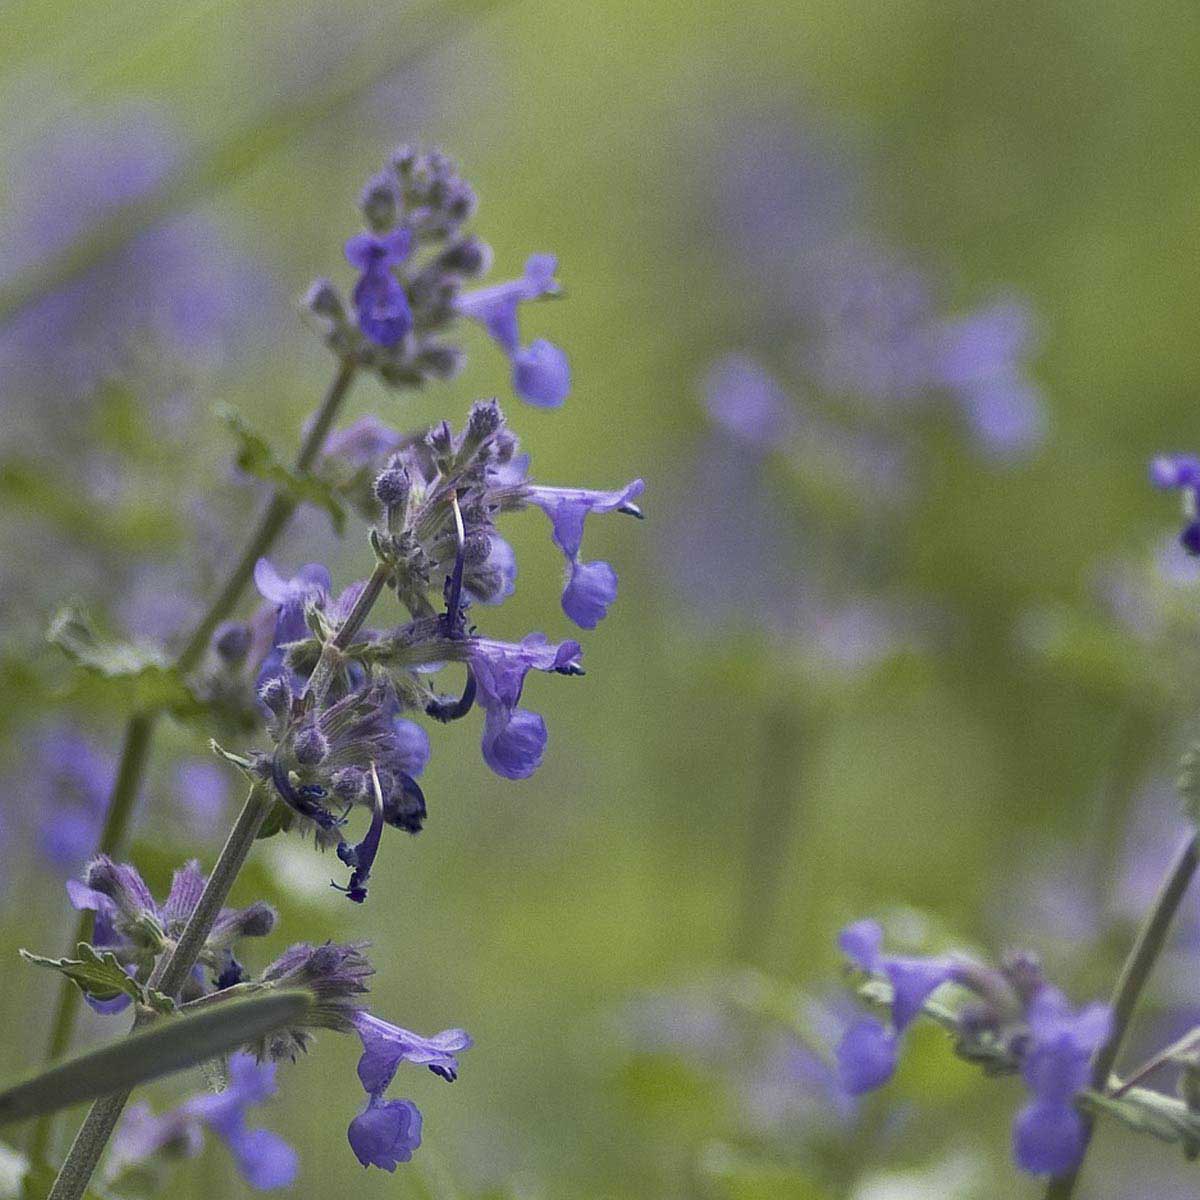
[[1181, 472], [132, 924], [514, 739], [1012, 1020], [387, 1132], [413, 261], [351, 745], [262, 1158], [541, 374], [379, 300]]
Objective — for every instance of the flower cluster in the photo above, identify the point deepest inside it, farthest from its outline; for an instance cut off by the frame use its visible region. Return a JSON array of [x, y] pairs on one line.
[[139, 930], [339, 731], [413, 260], [1012, 1020]]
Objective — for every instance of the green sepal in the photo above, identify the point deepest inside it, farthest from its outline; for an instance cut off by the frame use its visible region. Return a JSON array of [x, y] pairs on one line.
[[242, 763], [255, 457], [164, 1048], [1147, 1111], [101, 976], [278, 820], [143, 676]]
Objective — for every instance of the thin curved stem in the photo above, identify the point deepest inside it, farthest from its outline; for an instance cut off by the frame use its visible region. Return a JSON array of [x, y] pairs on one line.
[[168, 976], [1134, 975], [139, 732]]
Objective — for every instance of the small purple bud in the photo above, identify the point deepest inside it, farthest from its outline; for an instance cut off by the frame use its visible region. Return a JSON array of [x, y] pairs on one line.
[[392, 487], [311, 746], [231, 641], [380, 203], [325, 301]]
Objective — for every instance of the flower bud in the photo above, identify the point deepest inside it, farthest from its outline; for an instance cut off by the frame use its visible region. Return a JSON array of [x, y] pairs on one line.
[[392, 487], [324, 300], [310, 746], [231, 641], [380, 203]]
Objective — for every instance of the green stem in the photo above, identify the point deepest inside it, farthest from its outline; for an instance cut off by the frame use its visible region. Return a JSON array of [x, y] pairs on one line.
[[1134, 975], [168, 976], [331, 652], [140, 730]]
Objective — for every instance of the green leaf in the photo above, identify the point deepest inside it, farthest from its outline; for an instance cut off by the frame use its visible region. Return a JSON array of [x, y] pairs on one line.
[[143, 676], [166, 1047], [1147, 1111], [255, 457], [102, 977]]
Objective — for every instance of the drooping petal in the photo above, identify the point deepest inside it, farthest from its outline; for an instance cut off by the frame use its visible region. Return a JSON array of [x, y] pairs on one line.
[[385, 1133], [866, 1056], [591, 588], [514, 742], [541, 374], [913, 981], [1047, 1138]]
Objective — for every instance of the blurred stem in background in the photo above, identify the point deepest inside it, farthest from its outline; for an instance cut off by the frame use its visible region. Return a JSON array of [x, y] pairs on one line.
[[297, 113], [139, 733], [772, 820]]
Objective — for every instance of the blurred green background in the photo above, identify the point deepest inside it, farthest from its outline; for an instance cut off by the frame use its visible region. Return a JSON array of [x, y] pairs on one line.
[[1048, 147]]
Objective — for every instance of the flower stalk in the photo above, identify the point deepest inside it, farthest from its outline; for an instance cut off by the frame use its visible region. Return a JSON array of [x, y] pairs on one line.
[[139, 732], [168, 977]]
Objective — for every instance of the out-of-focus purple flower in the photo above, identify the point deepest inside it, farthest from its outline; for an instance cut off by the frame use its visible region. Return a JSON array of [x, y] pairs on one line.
[[203, 791], [540, 371], [514, 738], [1014, 1013], [380, 301], [1181, 472], [1048, 1133], [590, 587], [745, 401], [981, 360], [72, 776], [364, 443], [263, 1158]]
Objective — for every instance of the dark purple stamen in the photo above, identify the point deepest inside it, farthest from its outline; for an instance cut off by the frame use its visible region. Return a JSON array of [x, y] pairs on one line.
[[362, 857], [451, 708]]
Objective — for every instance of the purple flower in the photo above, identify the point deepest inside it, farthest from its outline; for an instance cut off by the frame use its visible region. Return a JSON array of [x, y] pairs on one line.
[[381, 303], [590, 587], [1181, 472], [514, 738], [541, 374], [263, 1158], [981, 360], [1048, 1133], [747, 402], [73, 777], [364, 443], [385, 1133], [289, 597], [130, 922], [386, 1046], [866, 1055]]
